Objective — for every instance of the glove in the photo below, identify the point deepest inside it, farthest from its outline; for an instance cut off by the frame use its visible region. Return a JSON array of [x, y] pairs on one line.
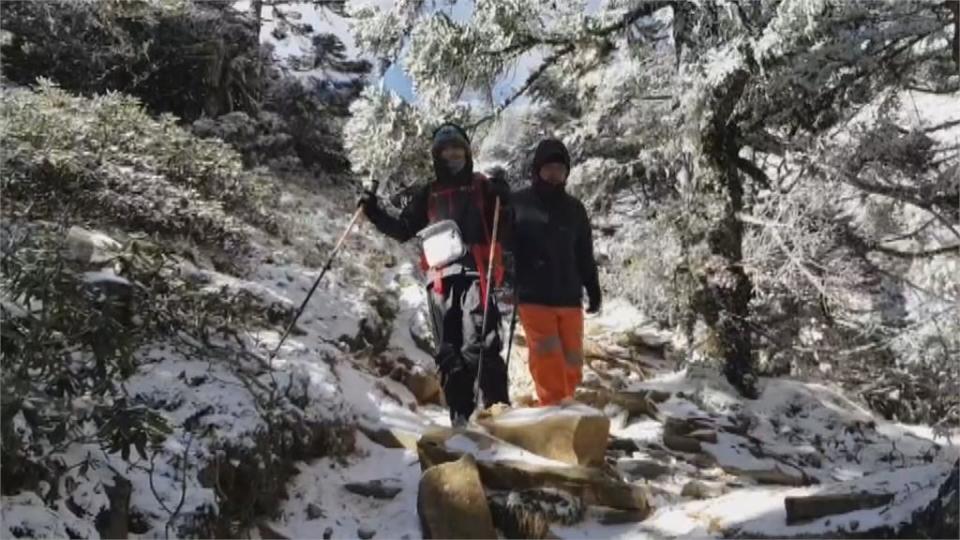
[[500, 188], [594, 306], [369, 203]]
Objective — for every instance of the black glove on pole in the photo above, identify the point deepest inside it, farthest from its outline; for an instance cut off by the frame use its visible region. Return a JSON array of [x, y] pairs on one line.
[[329, 263]]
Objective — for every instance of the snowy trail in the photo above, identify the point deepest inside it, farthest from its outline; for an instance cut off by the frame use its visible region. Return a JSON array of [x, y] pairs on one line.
[[787, 422], [804, 428]]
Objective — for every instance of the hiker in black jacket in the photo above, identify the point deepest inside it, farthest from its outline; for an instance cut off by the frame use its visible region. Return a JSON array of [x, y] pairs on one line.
[[553, 250], [456, 291]]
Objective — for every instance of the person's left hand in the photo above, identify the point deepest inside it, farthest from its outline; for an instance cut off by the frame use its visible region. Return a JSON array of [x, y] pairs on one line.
[[500, 187], [594, 306]]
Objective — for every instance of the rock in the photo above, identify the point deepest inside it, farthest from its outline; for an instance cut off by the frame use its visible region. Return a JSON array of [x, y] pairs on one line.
[[451, 502], [608, 516], [687, 426], [627, 446], [589, 483], [695, 489], [328, 533], [644, 468], [704, 435], [314, 511], [377, 489], [686, 434], [575, 435], [390, 437], [365, 533], [800, 509], [86, 246], [781, 474], [424, 386], [682, 444]]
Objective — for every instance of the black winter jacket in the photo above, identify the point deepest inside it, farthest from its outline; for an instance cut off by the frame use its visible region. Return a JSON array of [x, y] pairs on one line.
[[456, 200], [553, 249]]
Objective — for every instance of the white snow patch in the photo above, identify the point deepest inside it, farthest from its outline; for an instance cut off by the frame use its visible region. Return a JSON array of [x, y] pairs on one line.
[[104, 276]]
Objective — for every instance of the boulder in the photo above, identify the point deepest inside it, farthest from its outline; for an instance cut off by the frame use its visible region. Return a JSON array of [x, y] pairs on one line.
[[575, 435], [588, 483], [366, 533], [800, 509], [377, 489], [451, 502]]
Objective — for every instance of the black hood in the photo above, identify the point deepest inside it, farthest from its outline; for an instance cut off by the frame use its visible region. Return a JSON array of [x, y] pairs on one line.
[[549, 151], [445, 134]]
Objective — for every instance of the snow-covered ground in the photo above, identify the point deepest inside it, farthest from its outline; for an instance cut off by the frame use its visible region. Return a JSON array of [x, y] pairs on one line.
[[806, 429]]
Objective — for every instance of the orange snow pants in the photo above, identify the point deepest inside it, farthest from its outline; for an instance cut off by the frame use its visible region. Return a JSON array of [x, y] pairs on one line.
[[555, 341]]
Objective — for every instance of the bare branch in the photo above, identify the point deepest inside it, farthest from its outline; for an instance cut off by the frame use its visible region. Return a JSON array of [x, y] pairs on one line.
[[945, 125], [531, 79], [753, 171], [917, 254]]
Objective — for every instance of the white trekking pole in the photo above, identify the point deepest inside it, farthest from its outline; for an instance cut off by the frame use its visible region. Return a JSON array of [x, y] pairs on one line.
[[486, 301]]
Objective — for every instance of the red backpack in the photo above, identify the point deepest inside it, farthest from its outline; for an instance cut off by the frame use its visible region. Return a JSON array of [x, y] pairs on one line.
[[441, 204]]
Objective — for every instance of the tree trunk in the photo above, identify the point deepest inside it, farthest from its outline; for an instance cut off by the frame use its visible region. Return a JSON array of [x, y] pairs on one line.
[[955, 8], [725, 290]]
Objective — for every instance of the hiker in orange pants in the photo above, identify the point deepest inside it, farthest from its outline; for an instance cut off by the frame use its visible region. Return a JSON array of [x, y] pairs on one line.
[[553, 251], [555, 338]]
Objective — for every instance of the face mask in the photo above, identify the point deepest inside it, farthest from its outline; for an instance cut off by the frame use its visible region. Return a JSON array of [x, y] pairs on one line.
[[454, 166]]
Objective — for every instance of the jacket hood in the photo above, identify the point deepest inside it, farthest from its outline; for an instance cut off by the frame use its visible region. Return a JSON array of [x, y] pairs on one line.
[[549, 151], [450, 134]]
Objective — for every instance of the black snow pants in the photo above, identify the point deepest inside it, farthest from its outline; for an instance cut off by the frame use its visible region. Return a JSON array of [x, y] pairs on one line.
[[457, 317]]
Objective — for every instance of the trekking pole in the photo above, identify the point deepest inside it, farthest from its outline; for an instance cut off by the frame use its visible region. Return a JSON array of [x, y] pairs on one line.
[[486, 299], [316, 283]]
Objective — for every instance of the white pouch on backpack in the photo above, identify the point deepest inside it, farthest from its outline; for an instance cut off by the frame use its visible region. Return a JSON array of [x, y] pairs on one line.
[[441, 243]]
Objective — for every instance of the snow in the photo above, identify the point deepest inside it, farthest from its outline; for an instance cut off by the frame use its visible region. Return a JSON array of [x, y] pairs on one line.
[[485, 448], [533, 415], [772, 520], [105, 276], [25, 514], [320, 483]]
